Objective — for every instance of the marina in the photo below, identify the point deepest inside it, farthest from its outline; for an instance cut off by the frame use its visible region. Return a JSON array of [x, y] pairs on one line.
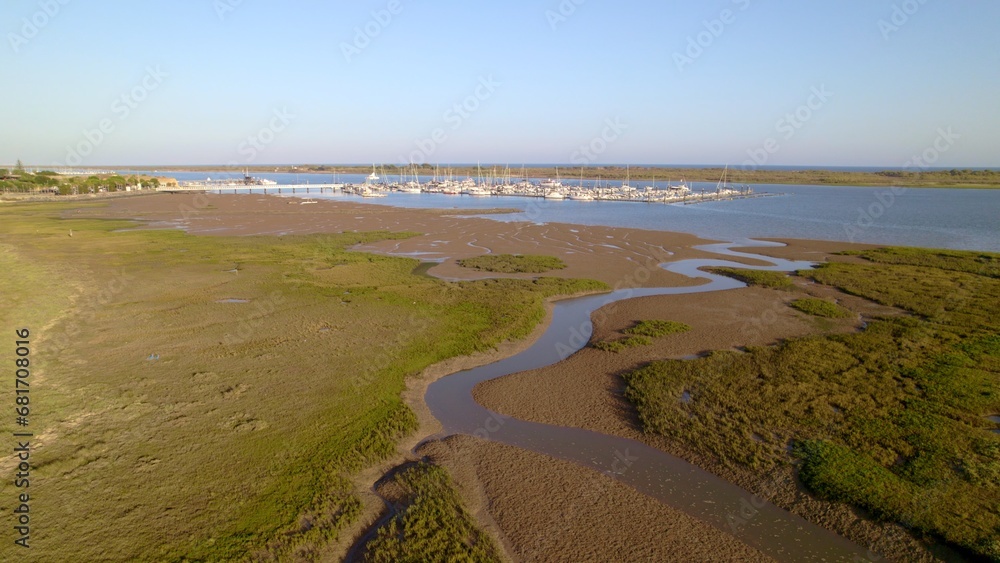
[[493, 184]]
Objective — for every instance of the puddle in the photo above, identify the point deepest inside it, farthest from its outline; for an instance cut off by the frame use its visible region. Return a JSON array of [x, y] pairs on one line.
[[232, 301], [995, 419]]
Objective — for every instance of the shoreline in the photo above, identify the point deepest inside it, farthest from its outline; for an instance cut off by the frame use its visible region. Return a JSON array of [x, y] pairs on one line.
[[887, 177]]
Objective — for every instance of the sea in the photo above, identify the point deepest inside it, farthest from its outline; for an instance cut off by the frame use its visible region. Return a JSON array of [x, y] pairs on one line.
[[959, 219]]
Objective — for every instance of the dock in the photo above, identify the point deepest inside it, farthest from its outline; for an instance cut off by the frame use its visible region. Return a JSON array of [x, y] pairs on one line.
[[243, 188]]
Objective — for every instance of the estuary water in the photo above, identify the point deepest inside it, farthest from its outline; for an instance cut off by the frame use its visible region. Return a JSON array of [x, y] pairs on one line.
[[960, 219]]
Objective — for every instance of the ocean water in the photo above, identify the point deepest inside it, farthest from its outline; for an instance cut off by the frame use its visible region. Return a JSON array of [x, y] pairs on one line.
[[935, 218]]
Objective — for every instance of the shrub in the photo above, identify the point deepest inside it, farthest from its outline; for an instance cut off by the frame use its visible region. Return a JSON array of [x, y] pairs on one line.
[[656, 328], [761, 278], [513, 263], [821, 308], [623, 343]]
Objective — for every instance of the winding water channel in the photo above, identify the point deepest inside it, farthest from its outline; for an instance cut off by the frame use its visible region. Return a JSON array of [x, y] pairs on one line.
[[671, 480]]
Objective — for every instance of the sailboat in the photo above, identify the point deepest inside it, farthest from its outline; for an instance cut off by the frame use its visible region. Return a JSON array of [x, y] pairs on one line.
[[723, 183], [581, 193], [626, 187], [550, 183]]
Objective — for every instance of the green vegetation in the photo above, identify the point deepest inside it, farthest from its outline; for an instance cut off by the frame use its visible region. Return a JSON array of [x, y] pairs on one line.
[[642, 334], [890, 419], [821, 308], [430, 523], [656, 328], [617, 346], [45, 181], [513, 263], [212, 430], [762, 278]]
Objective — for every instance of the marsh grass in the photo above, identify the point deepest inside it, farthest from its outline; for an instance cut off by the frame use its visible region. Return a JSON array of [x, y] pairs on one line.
[[242, 436], [622, 344], [821, 308], [513, 263], [761, 278], [657, 328], [890, 419], [430, 524]]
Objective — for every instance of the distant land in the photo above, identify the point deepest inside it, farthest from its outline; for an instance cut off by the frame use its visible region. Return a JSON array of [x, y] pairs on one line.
[[793, 175], [832, 176]]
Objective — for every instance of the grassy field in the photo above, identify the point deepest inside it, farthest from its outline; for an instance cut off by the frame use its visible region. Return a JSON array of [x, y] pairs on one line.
[[211, 397], [513, 263], [430, 523], [891, 419]]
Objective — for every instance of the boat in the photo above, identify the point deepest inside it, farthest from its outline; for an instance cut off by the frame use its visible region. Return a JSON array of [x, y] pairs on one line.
[[551, 184], [581, 193], [477, 191]]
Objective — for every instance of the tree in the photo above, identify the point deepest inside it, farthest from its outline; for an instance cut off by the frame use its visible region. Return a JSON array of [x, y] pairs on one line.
[[19, 167]]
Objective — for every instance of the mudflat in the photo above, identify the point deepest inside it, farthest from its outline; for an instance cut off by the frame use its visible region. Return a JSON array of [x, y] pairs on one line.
[[585, 390]]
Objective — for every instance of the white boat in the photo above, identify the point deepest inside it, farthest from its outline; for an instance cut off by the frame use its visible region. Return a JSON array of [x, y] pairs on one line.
[[551, 184], [477, 191], [581, 195], [554, 194]]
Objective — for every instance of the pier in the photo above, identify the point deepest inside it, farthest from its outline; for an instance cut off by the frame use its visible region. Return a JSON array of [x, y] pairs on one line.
[[670, 195], [243, 188]]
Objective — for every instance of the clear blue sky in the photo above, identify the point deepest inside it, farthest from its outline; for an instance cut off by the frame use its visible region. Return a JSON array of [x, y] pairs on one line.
[[557, 82]]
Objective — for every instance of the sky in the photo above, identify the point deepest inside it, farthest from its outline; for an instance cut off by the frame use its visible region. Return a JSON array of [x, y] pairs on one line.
[[895, 83]]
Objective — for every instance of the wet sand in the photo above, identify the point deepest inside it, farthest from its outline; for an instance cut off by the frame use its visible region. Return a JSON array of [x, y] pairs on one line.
[[544, 509], [585, 390], [620, 257]]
